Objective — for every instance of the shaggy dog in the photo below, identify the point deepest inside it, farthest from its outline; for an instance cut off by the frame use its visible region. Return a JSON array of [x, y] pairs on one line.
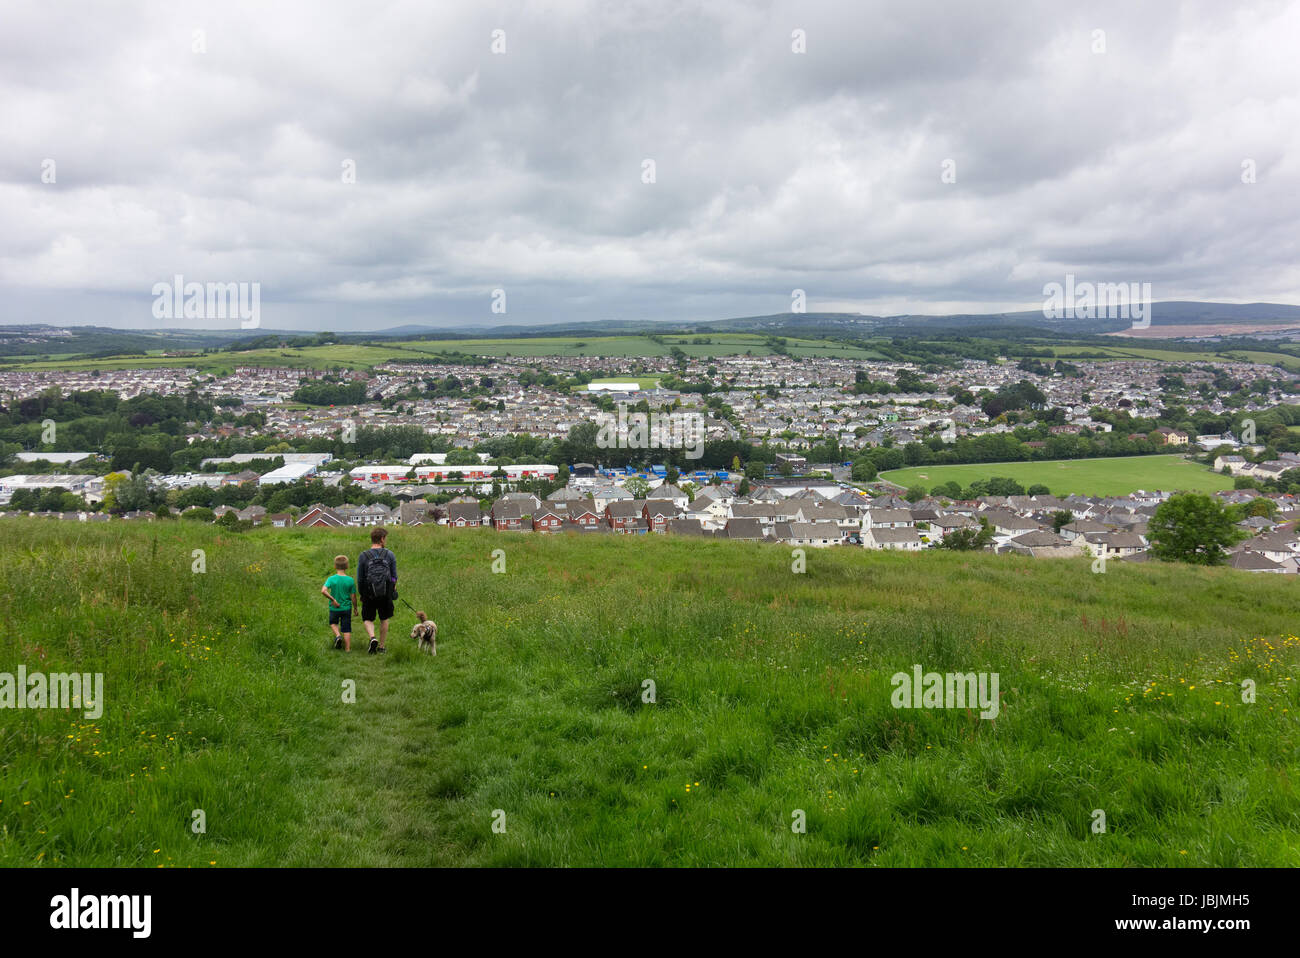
[[425, 634]]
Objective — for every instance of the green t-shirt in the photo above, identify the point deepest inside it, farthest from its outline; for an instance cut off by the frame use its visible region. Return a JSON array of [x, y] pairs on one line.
[[341, 587]]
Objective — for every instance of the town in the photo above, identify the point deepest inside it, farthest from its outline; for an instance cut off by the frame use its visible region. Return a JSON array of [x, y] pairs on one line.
[[791, 451]]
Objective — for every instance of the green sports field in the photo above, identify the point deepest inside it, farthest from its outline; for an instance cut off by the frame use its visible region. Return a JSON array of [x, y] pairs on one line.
[[1085, 477]]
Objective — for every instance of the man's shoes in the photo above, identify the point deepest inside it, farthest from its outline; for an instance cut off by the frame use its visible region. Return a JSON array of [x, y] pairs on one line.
[[383, 648], [374, 646]]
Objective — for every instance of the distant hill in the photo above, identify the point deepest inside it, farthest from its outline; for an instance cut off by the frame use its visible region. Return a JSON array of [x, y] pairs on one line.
[[85, 342]]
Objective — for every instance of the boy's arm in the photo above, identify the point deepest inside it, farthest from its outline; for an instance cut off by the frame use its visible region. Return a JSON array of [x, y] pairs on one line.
[[326, 592]]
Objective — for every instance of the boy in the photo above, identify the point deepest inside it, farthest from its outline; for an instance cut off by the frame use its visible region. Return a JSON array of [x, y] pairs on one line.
[[377, 574], [341, 590]]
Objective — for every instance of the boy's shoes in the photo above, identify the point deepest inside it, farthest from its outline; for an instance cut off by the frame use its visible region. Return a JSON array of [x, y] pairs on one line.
[[338, 642], [374, 646]]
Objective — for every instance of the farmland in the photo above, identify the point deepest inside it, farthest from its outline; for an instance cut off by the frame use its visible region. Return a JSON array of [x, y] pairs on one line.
[[363, 356], [1285, 360], [1089, 477], [771, 695]]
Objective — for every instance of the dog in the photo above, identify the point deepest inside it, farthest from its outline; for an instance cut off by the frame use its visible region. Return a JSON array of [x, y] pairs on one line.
[[425, 634]]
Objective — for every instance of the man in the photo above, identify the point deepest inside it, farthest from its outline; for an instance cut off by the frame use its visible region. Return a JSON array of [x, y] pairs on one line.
[[377, 586]]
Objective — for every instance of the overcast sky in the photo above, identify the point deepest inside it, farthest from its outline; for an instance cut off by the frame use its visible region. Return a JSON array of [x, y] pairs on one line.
[[525, 170]]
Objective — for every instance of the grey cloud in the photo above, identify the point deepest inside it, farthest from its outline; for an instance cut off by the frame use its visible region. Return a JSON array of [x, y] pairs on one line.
[[774, 170]]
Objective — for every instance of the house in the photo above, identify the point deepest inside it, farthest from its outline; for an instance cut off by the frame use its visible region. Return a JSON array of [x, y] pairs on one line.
[[622, 515], [888, 519], [818, 534], [416, 513], [949, 523], [1006, 523], [686, 527], [1278, 546], [709, 510], [508, 516], [526, 500], [657, 514], [1169, 437], [1042, 544], [1082, 527], [375, 514], [320, 516], [549, 517], [745, 529], [463, 515], [887, 537], [1114, 544], [603, 496], [583, 513], [672, 493], [278, 520], [1247, 560]]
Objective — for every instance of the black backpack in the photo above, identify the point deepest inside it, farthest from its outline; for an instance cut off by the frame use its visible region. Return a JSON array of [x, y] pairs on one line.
[[375, 576]]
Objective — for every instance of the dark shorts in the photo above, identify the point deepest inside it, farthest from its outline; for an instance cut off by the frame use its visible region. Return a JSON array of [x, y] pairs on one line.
[[369, 607], [342, 618]]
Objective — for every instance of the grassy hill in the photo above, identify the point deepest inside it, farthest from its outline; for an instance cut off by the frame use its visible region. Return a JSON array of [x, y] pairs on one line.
[[1088, 477], [361, 356], [1120, 692]]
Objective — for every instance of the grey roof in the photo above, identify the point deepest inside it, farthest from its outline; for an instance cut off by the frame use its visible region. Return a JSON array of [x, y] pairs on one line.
[[743, 529], [895, 535]]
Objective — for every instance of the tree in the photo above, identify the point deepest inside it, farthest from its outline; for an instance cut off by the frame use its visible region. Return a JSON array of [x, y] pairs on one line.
[[949, 490], [915, 494], [1002, 486], [742, 490], [1191, 527], [462, 457], [1261, 507], [864, 470], [1038, 489], [966, 540], [637, 486], [1060, 519]]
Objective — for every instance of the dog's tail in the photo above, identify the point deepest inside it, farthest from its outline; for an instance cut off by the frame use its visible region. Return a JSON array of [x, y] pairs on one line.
[[421, 616]]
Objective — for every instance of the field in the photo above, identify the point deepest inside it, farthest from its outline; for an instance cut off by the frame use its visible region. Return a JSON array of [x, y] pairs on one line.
[[357, 356], [1119, 693], [1288, 362], [1088, 477]]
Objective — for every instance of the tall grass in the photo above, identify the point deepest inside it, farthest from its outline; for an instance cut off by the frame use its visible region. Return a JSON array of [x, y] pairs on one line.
[[1120, 693]]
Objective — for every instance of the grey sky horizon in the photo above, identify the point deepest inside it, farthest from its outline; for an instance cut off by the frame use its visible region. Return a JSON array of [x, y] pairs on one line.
[[884, 158]]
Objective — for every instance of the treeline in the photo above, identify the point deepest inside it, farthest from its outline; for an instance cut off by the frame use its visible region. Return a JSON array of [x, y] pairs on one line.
[[145, 430], [328, 392]]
